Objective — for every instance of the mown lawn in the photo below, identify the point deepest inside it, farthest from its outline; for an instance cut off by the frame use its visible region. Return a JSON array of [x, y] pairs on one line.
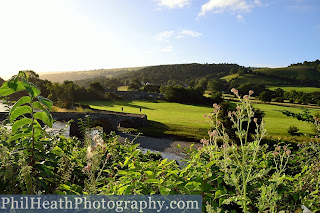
[[188, 121], [167, 118]]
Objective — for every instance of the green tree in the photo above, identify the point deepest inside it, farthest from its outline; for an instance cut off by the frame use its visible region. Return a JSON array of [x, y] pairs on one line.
[[265, 96]]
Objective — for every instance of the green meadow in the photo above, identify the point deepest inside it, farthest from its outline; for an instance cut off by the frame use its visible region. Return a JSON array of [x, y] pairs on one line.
[[187, 120], [298, 89]]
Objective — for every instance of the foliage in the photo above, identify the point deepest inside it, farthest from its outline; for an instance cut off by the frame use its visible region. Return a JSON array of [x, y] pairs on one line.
[[265, 96], [180, 94], [249, 176]]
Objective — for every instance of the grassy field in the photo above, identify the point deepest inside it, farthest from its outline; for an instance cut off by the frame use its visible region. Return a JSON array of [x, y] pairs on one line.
[[241, 79], [277, 123], [187, 120], [166, 118], [299, 72], [298, 89]]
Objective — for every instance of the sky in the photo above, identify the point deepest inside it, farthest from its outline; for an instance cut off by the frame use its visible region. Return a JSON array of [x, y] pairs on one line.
[[75, 35]]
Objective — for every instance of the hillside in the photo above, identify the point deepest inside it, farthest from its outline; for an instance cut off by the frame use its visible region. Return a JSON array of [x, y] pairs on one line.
[[245, 78], [79, 75], [180, 72], [298, 72]]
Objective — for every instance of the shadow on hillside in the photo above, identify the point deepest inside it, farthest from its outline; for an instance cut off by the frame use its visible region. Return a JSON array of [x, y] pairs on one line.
[[118, 104]]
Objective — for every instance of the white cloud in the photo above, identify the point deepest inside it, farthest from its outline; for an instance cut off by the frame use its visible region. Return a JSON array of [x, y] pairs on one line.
[[164, 36], [240, 18], [173, 3], [220, 6], [167, 49], [190, 33]]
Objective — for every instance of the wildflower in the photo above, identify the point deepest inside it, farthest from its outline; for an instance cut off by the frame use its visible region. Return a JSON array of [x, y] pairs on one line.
[[229, 114], [238, 108], [213, 133], [200, 148], [255, 120], [205, 115], [246, 97], [275, 154], [87, 168], [278, 148], [288, 152], [285, 148], [210, 117], [204, 141], [89, 152], [234, 91], [251, 92], [225, 146]]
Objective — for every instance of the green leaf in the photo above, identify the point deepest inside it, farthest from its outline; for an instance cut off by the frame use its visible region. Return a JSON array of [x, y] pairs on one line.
[[152, 181], [20, 135], [48, 120], [9, 88], [32, 89], [21, 110], [164, 190], [22, 74], [122, 189], [218, 193], [21, 101], [18, 124], [48, 103], [57, 151], [38, 105]]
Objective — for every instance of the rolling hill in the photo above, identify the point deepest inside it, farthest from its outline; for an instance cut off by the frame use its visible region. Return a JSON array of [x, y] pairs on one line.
[[298, 72], [79, 75], [180, 72]]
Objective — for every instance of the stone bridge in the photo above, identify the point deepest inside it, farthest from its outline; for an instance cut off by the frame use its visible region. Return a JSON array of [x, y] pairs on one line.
[[108, 120]]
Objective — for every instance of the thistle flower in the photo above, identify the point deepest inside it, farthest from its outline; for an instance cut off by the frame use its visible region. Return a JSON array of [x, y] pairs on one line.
[[246, 97], [205, 115], [234, 91], [204, 141], [213, 133], [89, 152], [200, 148], [255, 120], [288, 152], [87, 168], [229, 114], [278, 148], [251, 92], [238, 108], [275, 153]]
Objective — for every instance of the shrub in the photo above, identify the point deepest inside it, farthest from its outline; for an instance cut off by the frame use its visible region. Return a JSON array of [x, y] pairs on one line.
[[293, 130]]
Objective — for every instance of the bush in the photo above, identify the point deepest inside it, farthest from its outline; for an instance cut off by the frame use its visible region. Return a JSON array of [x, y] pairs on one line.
[[110, 96], [293, 130]]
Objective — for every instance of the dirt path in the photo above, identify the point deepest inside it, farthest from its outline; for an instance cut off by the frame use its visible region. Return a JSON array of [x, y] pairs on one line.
[[160, 144]]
